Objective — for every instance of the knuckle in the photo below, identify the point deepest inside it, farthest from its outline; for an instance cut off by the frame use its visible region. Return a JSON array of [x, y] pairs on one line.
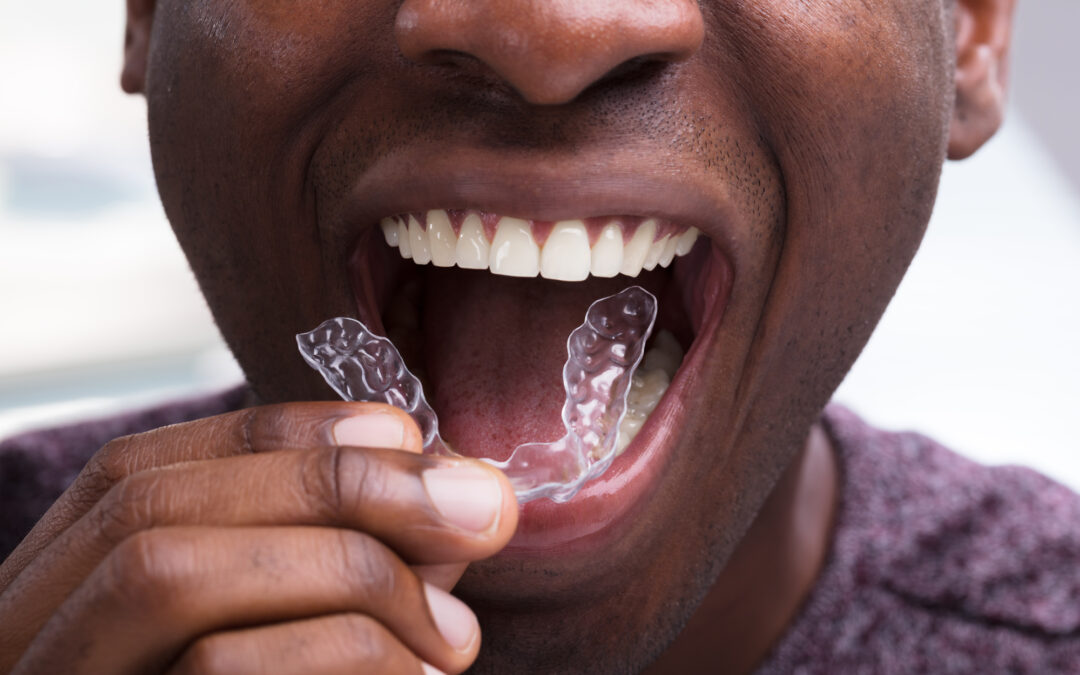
[[368, 639], [248, 423], [106, 468], [112, 459], [208, 655], [336, 477], [123, 510], [148, 573], [320, 483], [368, 567]]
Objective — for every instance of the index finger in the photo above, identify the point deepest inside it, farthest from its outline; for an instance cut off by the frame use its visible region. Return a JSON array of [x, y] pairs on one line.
[[283, 426]]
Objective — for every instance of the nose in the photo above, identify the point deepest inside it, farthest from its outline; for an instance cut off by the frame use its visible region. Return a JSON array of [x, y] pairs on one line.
[[549, 51]]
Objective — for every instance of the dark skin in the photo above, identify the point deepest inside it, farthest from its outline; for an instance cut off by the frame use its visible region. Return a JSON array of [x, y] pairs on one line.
[[815, 134]]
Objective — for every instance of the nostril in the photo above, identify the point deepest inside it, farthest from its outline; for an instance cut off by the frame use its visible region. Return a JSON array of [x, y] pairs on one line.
[[637, 68], [446, 57]]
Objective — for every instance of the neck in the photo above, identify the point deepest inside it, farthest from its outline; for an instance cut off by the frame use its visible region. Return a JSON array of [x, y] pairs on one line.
[[768, 576]]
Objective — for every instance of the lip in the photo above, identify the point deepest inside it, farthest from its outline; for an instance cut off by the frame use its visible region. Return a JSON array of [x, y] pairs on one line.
[[548, 189], [406, 182]]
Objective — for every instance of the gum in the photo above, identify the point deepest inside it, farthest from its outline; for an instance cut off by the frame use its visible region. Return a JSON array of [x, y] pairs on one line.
[[602, 355]]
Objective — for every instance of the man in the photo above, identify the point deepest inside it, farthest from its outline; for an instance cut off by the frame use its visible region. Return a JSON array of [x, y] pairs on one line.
[[417, 164]]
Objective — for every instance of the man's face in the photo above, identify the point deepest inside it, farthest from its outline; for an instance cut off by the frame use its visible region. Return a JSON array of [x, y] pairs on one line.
[[804, 140]]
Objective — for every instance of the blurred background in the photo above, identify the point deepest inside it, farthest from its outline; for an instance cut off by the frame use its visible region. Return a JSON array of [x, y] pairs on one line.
[[99, 311]]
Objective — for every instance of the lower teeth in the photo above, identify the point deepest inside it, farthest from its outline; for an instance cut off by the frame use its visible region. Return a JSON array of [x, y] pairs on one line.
[[648, 386], [599, 377]]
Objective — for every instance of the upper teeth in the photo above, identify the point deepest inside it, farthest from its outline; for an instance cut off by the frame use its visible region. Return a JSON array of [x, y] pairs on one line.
[[565, 256]]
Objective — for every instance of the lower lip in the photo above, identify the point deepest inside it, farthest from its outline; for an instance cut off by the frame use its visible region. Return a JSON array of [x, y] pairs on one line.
[[593, 515], [586, 520]]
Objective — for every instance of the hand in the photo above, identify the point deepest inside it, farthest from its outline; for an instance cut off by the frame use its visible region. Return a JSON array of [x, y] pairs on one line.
[[295, 538]]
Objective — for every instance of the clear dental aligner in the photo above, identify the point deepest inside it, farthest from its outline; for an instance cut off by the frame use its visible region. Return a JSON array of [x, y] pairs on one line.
[[603, 354]]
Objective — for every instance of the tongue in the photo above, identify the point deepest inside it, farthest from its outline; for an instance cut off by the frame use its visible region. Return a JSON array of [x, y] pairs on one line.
[[495, 350]]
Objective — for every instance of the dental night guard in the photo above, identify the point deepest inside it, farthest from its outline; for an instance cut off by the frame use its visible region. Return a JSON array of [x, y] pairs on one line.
[[603, 354]]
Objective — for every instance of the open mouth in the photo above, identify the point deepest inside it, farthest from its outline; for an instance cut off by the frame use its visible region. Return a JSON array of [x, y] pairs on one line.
[[480, 306]]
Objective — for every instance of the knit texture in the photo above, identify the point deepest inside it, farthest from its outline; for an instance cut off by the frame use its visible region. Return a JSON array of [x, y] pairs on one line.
[[939, 565]]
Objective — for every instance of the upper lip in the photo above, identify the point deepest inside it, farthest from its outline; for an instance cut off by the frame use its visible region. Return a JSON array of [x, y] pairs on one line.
[[581, 186]]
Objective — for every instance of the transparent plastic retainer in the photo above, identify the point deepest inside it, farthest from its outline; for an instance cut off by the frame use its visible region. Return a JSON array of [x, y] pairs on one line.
[[603, 354]]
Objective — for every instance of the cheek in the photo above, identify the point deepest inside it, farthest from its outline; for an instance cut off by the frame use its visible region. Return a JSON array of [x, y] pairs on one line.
[[853, 99], [240, 93], [240, 75], [236, 91], [861, 135], [286, 47], [842, 82]]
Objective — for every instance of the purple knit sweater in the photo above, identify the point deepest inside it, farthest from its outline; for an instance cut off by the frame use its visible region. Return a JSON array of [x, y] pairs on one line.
[[938, 564]]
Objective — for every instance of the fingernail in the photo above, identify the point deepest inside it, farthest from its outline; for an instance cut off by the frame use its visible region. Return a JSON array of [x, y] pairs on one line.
[[375, 430], [453, 618], [467, 496], [431, 670]]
